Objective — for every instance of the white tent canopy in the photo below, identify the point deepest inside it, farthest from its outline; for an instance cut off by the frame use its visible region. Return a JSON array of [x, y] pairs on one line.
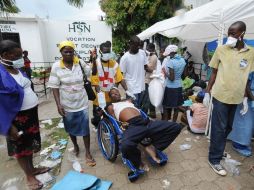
[[206, 23]]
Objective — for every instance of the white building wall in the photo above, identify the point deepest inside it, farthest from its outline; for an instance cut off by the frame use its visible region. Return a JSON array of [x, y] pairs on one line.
[[41, 37], [30, 39]]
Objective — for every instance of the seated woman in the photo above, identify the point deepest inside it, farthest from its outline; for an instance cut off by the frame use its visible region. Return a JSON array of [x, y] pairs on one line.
[[161, 133], [197, 115]]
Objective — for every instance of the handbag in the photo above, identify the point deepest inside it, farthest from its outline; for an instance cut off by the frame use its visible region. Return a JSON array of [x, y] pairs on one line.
[[88, 86]]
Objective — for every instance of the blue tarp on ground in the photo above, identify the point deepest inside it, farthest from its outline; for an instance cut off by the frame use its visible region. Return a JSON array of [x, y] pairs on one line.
[[79, 181]]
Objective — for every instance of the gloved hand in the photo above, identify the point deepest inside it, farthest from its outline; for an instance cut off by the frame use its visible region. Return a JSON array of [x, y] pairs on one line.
[[206, 99], [245, 106], [130, 94]]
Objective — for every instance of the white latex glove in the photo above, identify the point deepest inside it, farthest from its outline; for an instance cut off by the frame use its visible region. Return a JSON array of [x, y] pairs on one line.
[[245, 106], [130, 94], [206, 99]]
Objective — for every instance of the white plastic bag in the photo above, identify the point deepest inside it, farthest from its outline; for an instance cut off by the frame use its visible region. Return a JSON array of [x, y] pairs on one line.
[[156, 91]]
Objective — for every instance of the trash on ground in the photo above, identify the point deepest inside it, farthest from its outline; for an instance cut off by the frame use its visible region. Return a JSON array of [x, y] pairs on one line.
[[62, 147], [188, 139], [62, 141], [71, 149], [60, 126], [48, 121], [44, 178], [42, 126], [77, 167], [197, 137], [55, 155], [50, 163], [226, 155], [166, 184], [231, 166], [45, 151], [195, 140], [185, 132], [52, 146], [185, 147]]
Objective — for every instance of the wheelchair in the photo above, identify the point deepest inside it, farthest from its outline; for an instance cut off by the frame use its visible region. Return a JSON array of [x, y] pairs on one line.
[[109, 139]]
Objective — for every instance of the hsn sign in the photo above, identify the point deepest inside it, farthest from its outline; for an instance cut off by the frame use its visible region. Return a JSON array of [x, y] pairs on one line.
[[79, 27]]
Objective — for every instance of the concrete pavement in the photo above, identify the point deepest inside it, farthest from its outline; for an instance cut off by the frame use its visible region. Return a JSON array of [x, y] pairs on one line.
[[186, 170]]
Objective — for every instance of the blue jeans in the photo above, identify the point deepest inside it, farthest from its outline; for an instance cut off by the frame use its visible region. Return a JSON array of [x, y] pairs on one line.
[[221, 125]]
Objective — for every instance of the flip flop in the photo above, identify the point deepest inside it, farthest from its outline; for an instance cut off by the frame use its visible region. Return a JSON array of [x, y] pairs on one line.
[[90, 162], [42, 170], [35, 186]]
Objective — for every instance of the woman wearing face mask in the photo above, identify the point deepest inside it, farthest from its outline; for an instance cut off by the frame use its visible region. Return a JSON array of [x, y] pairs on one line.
[[173, 70], [106, 74], [18, 109]]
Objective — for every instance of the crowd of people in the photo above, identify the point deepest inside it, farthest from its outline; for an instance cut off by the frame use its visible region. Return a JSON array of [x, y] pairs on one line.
[[229, 92]]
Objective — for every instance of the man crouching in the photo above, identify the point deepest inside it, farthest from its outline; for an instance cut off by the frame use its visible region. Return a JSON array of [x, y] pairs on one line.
[[160, 133]]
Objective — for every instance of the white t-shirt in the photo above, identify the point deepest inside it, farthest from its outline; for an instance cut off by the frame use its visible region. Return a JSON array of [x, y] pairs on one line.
[[30, 99], [132, 66]]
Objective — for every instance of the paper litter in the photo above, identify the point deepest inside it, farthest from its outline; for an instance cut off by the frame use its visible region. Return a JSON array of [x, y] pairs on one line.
[[185, 147]]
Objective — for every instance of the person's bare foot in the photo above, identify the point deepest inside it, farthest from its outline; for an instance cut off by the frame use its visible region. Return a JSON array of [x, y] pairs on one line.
[[33, 183], [144, 166], [150, 150], [76, 150]]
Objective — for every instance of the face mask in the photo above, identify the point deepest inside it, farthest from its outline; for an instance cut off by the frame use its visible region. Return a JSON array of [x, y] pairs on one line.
[[106, 56], [231, 41], [16, 63]]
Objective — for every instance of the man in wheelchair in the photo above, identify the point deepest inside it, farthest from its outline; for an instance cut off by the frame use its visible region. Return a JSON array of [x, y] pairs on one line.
[[160, 133]]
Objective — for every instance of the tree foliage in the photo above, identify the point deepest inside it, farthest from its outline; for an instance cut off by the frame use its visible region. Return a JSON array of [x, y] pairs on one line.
[[130, 17], [8, 6], [76, 3]]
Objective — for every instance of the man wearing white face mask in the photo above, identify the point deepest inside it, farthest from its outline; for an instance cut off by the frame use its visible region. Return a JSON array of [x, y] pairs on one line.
[[231, 64], [106, 74]]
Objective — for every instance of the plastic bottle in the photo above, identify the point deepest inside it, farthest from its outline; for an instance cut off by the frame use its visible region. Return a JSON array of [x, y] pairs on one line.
[[101, 100], [77, 167]]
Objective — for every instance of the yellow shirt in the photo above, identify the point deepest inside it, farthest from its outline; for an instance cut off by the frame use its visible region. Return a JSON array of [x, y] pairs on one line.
[[233, 70], [106, 82]]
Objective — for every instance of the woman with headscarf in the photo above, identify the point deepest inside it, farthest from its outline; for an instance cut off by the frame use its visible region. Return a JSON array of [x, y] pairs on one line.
[[66, 81], [19, 112]]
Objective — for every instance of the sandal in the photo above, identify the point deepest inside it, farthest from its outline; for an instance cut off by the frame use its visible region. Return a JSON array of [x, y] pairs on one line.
[[41, 170], [35, 186], [90, 162]]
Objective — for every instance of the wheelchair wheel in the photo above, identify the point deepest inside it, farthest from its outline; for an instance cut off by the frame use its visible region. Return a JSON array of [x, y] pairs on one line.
[[107, 139]]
